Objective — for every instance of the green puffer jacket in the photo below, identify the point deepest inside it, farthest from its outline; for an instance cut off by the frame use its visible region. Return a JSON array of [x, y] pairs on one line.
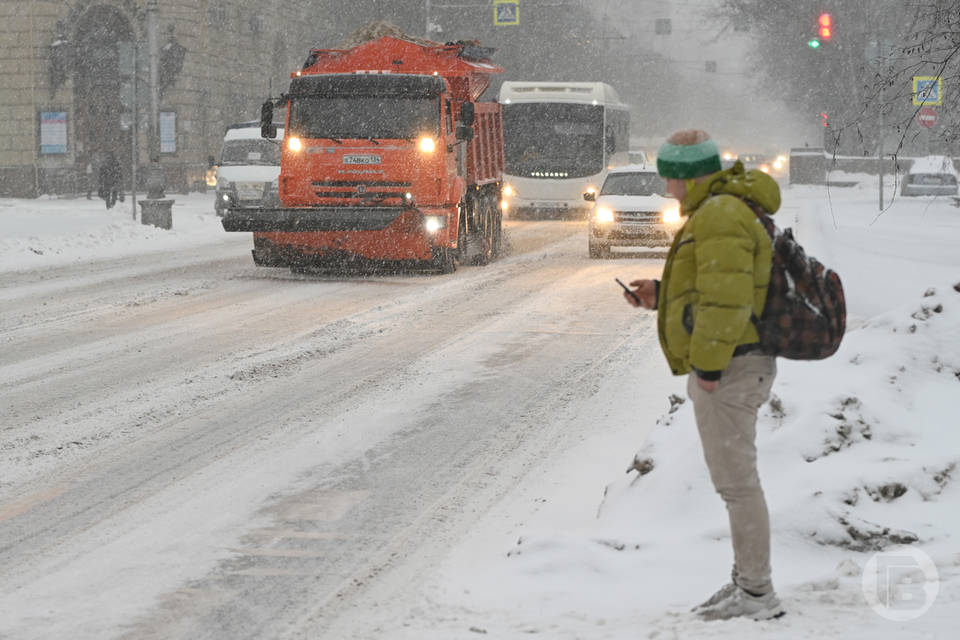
[[717, 272]]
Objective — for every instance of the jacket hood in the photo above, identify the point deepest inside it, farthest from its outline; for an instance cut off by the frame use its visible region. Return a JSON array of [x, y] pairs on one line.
[[753, 185]]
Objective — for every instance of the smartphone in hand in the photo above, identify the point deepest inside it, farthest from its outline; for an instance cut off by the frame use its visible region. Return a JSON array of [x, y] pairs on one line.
[[630, 291]]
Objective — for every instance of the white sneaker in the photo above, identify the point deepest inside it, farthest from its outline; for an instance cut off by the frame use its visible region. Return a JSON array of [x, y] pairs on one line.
[[740, 604], [723, 593]]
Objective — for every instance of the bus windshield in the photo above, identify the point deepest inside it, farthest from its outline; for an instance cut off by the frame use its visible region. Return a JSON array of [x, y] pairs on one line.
[[551, 140], [364, 117]]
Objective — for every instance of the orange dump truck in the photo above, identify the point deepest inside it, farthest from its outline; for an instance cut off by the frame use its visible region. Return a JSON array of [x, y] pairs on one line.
[[388, 159]]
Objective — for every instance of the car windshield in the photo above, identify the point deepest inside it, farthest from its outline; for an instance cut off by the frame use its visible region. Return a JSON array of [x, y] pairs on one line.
[[247, 152], [364, 117], [552, 138], [644, 183]]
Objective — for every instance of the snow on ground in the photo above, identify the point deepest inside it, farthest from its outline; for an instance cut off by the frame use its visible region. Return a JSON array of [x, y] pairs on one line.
[[50, 232], [859, 454]]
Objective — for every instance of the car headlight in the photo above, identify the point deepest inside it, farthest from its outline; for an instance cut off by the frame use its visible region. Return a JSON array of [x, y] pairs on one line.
[[508, 191], [603, 214], [427, 144], [434, 223], [670, 216]]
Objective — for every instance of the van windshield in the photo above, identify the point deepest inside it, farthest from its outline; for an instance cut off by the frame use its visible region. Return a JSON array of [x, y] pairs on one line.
[[247, 152]]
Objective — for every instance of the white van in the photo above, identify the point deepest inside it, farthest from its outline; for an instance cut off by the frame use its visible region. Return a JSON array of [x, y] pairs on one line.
[[249, 168]]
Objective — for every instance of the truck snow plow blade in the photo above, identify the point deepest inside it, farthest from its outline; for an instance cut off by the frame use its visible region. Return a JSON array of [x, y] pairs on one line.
[[311, 219]]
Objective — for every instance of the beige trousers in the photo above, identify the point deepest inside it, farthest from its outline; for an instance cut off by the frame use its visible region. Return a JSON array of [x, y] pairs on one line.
[[727, 421]]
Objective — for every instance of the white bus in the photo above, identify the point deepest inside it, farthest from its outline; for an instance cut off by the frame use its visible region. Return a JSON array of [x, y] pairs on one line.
[[559, 138]]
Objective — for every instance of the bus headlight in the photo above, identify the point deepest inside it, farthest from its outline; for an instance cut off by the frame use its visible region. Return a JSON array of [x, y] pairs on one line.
[[434, 223], [603, 214], [294, 144], [427, 144], [670, 216]]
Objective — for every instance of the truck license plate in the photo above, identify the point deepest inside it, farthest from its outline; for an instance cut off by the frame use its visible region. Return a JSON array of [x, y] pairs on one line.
[[361, 159]]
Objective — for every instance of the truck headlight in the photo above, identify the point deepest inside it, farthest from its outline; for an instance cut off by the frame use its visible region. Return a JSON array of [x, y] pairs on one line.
[[603, 214], [427, 144], [294, 144], [434, 223], [508, 191]]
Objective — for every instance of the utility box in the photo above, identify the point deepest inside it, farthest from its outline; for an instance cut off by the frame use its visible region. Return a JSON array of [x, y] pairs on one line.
[[808, 165], [158, 213]]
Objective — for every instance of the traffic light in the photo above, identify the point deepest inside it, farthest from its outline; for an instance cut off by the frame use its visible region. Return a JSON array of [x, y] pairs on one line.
[[825, 27]]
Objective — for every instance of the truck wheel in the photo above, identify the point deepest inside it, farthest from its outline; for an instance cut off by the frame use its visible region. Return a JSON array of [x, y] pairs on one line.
[[485, 235], [444, 261], [497, 232], [462, 239]]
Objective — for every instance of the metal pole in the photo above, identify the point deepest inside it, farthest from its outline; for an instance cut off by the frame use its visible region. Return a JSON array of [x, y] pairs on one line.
[[880, 149], [153, 52], [134, 131], [428, 18]]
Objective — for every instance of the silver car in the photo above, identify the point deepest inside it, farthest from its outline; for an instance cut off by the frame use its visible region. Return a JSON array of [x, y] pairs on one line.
[[631, 210]]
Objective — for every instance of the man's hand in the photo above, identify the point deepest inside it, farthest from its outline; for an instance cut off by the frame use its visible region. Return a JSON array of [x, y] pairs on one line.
[[646, 290], [707, 385]]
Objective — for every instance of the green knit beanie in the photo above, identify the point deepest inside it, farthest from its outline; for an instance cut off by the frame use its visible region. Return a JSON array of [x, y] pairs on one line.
[[688, 161]]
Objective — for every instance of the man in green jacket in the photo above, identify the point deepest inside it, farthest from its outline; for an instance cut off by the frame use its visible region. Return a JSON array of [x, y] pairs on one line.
[[714, 282]]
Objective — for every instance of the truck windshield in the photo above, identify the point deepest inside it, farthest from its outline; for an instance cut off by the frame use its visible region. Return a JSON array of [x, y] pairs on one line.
[[364, 117], [547, 139], [245, 152], [644, 183]]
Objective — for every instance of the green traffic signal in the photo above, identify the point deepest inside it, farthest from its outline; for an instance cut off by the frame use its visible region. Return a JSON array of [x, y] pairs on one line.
[[813, 43]]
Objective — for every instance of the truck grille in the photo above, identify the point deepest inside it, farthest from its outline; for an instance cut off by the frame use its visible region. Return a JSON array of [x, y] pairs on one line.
[[359, 192], [637, 217]]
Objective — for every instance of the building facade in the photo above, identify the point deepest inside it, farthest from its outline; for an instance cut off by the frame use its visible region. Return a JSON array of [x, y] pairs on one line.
[[74, 83]]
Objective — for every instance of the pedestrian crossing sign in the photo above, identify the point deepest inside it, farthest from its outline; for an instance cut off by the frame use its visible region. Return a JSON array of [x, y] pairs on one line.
[[506, 12], [927, 90]]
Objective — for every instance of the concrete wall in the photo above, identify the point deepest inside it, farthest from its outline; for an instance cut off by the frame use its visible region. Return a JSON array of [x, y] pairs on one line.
[[237, 51]]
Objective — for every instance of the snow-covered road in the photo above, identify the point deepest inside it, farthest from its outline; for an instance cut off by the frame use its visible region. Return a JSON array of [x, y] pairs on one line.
[[191, 446], [195, 447]]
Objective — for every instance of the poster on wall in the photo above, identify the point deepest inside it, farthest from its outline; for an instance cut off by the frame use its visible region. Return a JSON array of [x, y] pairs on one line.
[[53, 132], [168, 132]]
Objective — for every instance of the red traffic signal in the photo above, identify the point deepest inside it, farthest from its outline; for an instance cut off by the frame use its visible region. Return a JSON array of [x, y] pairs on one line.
[[825, 26]]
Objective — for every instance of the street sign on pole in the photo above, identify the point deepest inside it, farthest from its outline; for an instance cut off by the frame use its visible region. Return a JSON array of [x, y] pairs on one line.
[[506, 13], [927, 117], [927, 90]]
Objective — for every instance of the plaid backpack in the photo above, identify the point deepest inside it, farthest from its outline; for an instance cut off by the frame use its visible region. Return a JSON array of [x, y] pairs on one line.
[[805, 314]]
